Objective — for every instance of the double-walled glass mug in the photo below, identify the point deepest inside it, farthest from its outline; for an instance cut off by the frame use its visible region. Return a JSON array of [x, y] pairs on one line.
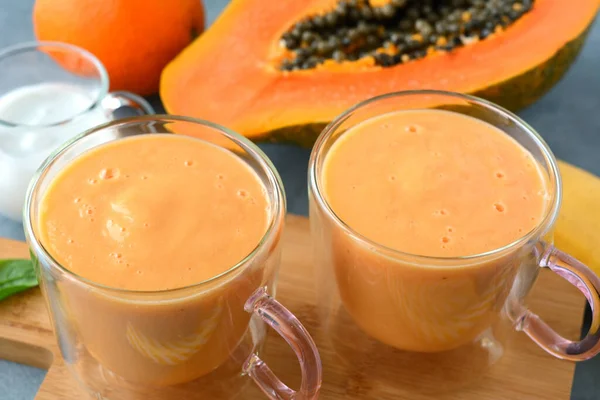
[[49, 93], [379, 306], [199, 341]]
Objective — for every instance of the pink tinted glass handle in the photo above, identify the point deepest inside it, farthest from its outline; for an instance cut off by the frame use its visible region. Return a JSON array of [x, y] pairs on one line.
[[288, 326], [588, 283]]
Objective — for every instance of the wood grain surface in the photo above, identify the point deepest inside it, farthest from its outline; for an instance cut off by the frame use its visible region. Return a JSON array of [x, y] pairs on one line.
[[525, 372]]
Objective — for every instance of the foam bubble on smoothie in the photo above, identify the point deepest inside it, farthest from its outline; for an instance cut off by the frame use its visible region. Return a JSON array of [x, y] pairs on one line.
[[109, 173]]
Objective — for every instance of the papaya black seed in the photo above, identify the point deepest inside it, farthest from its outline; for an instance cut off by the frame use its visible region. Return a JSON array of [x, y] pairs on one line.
[[405, 25], [412, 13], [367, 13], [355, 29], [396, 38], [423, 27], [318, 21], [331, 19], [372, 42], [354, 14], [388, 10], [484, 33], [338, 55]]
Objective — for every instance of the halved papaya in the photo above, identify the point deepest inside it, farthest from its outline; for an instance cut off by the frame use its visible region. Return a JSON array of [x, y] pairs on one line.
[[280, 70]]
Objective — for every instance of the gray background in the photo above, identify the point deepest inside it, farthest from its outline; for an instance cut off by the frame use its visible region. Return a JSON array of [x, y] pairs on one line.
[[568, 118]]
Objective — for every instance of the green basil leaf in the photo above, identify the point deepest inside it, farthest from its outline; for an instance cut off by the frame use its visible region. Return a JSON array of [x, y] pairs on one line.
[[16, 276]]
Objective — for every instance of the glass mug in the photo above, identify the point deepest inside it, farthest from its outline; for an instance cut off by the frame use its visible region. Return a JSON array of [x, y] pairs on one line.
[[193, 342], [49, 93], [382, 306]]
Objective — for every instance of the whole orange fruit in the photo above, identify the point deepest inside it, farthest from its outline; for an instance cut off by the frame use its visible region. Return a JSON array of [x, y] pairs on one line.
[[134, 39]]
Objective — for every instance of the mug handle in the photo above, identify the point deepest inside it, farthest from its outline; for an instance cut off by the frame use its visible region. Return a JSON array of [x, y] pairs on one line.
[[115, 100], [287, 325], [580, 276]]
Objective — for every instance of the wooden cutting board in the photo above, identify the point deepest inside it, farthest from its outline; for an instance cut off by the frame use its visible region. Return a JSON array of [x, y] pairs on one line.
[[525, 372]]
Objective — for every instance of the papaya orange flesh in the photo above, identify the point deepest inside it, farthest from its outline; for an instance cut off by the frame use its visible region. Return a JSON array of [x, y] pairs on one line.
[[231, 75]]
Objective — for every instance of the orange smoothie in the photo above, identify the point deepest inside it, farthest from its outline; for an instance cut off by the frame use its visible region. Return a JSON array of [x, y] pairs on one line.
[[157, 213], [437, 184]]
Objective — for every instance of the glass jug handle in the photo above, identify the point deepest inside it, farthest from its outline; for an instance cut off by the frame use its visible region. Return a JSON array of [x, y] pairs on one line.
[[580, 276], [287, 325]]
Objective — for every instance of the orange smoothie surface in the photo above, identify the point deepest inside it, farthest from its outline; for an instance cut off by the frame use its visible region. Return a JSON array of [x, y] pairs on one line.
[[153, 212], [434, 183]]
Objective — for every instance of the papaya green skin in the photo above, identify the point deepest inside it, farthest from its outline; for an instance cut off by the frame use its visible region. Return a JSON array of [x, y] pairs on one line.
[[513, 94]]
